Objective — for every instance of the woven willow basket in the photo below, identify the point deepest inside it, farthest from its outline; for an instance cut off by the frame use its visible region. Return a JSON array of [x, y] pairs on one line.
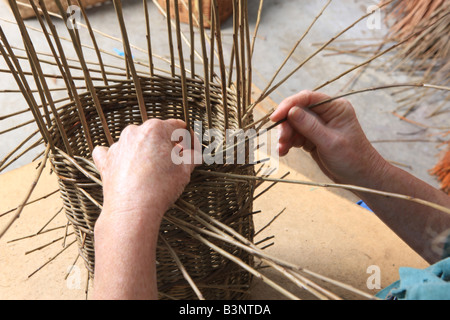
[[230, 202]]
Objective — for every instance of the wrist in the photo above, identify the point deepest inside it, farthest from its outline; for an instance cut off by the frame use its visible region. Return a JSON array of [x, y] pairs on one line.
[[374, 172], [127, 221]]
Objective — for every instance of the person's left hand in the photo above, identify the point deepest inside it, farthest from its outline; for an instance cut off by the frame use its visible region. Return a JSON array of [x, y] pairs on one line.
[[137, 172]]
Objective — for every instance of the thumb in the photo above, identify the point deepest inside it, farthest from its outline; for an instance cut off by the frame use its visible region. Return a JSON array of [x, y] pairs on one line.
[[99, 155], [309, 125]]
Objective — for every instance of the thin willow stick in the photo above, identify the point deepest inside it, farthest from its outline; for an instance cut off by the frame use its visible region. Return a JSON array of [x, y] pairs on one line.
[[46, 245], [112, 54], [376, 56], [192, 36], [216, 233], [258, 22], [182, 269], [237, 60], [31, 202], [80, 168], [51, 259], [94, 42], [87, 76], [240, 263], [251, 247], [248, 56], [33, 146], [129, 56], [149, 41], [331, 185], [67, 74], [71, 267], [408, 85], [36, 234], [212, 42], [28, 195], [165, 14], [38, 74], [16, 70], [183, 71], [294, 49], [270, 222], [266, 93], [52, 48], [223, 74], [243, 83], [417, 85], [51, 219], [205, 63]]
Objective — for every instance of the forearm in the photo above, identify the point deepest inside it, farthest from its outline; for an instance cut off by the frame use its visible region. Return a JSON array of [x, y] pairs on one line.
[[125, 256], [416, 224]]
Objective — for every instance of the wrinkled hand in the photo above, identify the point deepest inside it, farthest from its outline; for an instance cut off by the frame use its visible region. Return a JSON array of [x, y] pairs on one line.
[[331, 133], [137, 171]]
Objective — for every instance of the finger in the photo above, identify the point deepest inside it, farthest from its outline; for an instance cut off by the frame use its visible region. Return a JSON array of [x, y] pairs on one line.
[[285, 133], [309, 146], [100, 155], [310, 126], [302, 100], [172, 125], [195, 156], [284, 148], [298, 141]]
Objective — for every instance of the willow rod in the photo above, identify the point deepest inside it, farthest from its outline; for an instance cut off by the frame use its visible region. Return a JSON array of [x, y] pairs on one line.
[[205, 63], [149, 40], [64, 69], [183, 71], [87, 76], [129, 58], [39, 76], [417, 85], [94, 42], [330, 185], [28, 195], [16, 69], [269, 90], [222, 65]]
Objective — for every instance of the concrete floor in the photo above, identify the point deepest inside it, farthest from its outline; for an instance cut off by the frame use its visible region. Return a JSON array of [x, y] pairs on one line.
[[282, 24]]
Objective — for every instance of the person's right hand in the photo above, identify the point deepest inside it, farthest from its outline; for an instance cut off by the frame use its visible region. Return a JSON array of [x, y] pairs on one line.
[[333, 136]]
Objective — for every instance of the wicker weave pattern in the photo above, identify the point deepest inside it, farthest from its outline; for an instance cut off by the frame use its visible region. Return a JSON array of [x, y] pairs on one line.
[[229, 202]]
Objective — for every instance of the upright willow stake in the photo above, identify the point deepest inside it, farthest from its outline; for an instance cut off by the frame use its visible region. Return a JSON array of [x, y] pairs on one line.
[[87, 76], [66, 73], [149, 41], [183, 70], [205, 63], [223, 74], [129, 56], [94, 42], [21, 81], [39, 75]]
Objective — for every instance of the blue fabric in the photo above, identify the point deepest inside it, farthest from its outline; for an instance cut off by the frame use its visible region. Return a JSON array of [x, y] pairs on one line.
[[365, 206], [432, 283]]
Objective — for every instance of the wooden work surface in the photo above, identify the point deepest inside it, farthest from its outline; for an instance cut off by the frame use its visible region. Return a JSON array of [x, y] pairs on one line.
[[319, 231]]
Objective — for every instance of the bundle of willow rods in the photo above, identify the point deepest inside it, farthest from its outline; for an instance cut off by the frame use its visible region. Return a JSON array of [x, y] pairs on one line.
[[206, 247], [442, 171], [427, 54]]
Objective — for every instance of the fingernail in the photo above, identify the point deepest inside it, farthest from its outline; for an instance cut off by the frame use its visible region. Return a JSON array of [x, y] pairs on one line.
[[296, 114]]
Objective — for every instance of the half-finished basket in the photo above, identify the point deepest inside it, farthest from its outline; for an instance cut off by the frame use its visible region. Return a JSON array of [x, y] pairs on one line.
[[230, 202]]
